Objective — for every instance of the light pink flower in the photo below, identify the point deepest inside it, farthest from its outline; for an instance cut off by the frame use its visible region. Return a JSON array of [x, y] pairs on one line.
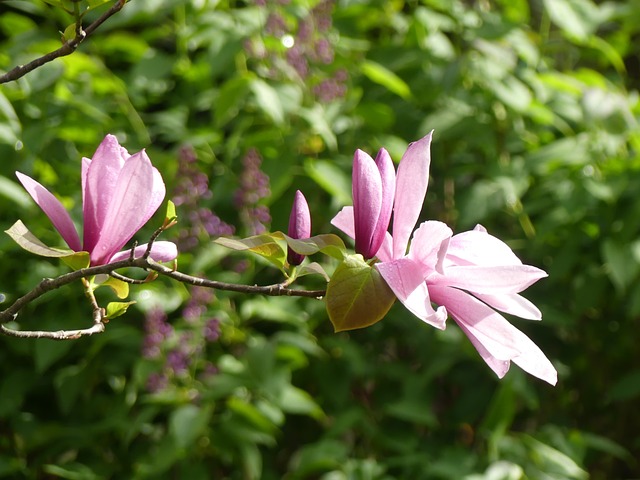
[[120, 193], [467, 275], [299, 225]]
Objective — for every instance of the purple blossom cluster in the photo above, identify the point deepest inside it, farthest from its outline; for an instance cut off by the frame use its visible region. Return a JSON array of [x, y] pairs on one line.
[[308, 48], [254, 186], [191, 188], [184, 350]]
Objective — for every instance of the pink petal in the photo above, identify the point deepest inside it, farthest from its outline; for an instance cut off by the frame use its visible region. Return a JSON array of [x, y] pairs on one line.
[[405, 278], [388, 179], [513, 304], [429, 245], [160, 252], [99, 187], [499, 367], [52, 207], [411, 188], [299, 225], [130, 207], [492, 280], [477, 247], [367, 201], [497, 337], [344, 221]]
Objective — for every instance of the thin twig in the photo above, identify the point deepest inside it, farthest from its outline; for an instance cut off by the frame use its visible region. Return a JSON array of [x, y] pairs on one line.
[[66, 48], [49, 284]]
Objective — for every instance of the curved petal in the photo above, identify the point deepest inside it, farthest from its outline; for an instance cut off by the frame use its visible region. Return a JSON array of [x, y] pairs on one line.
[[513, 304], [411, 187], [498, 338], [344, 221], [492, 280], [388, 182], [52, 207], [129, 209], [499, 367], [429, 245], [367, 201], [99, 187], [162, 251], [405, 278], [477, 247]]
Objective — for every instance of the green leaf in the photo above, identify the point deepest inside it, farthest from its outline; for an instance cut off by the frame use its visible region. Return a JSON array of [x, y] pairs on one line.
[[357, 295], [312, 268], [78, 260], [115, 309], [268, 100], [577, 18], [120, 288], [385, 77], [96, 3], [327, 243], [170, 216], [264, 245], [27, 240], [187, 423]]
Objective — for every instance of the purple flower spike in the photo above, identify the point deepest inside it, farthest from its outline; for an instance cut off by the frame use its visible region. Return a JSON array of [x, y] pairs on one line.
[[373, 192], [120, 193], [299, 225]]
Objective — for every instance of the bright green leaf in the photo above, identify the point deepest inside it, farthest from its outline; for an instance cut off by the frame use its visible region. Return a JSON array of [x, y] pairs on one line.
[[78, 260], [357, 295], [383, 76], [327, 243], [120, 288], [312, 268], [268, 100], [264, 245], [115, 309]]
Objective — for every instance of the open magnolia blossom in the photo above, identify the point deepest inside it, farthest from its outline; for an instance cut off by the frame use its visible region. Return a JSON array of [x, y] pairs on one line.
[[120, 193], [467, 275]]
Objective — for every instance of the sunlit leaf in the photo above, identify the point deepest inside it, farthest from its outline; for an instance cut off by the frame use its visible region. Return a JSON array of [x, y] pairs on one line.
[[120, 288], [383, 76], [27, 240], [357, 295], [115, 309], [264, 245]]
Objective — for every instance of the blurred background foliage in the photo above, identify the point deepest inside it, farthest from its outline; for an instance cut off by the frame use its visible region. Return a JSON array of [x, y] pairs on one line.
[[535, 110]]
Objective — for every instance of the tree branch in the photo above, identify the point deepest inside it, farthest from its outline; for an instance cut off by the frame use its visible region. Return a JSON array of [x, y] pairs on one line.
[[147, 264], [66, 49]]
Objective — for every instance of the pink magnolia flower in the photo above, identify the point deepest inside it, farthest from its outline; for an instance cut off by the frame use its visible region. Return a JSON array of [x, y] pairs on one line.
[[120, 193], [373, 190], [299, 225], [468, 275]]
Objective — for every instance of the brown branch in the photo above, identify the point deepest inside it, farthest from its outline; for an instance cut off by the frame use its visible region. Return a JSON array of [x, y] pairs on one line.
[[66, 49], [147, 264]]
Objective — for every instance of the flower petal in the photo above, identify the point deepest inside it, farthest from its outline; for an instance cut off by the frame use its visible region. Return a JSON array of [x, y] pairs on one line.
[[52, 207], [429, 245], [161, 251], [388, 179], [367, 201], [299, 225], [99, 186], [513, 304], [498, 338], [477, 247], [344, 221], [130, 207], [405, 278], [411, 187], [491, 280]]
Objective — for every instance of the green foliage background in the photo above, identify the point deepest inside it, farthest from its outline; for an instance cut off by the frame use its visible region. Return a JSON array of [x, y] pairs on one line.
[[535, 110]]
